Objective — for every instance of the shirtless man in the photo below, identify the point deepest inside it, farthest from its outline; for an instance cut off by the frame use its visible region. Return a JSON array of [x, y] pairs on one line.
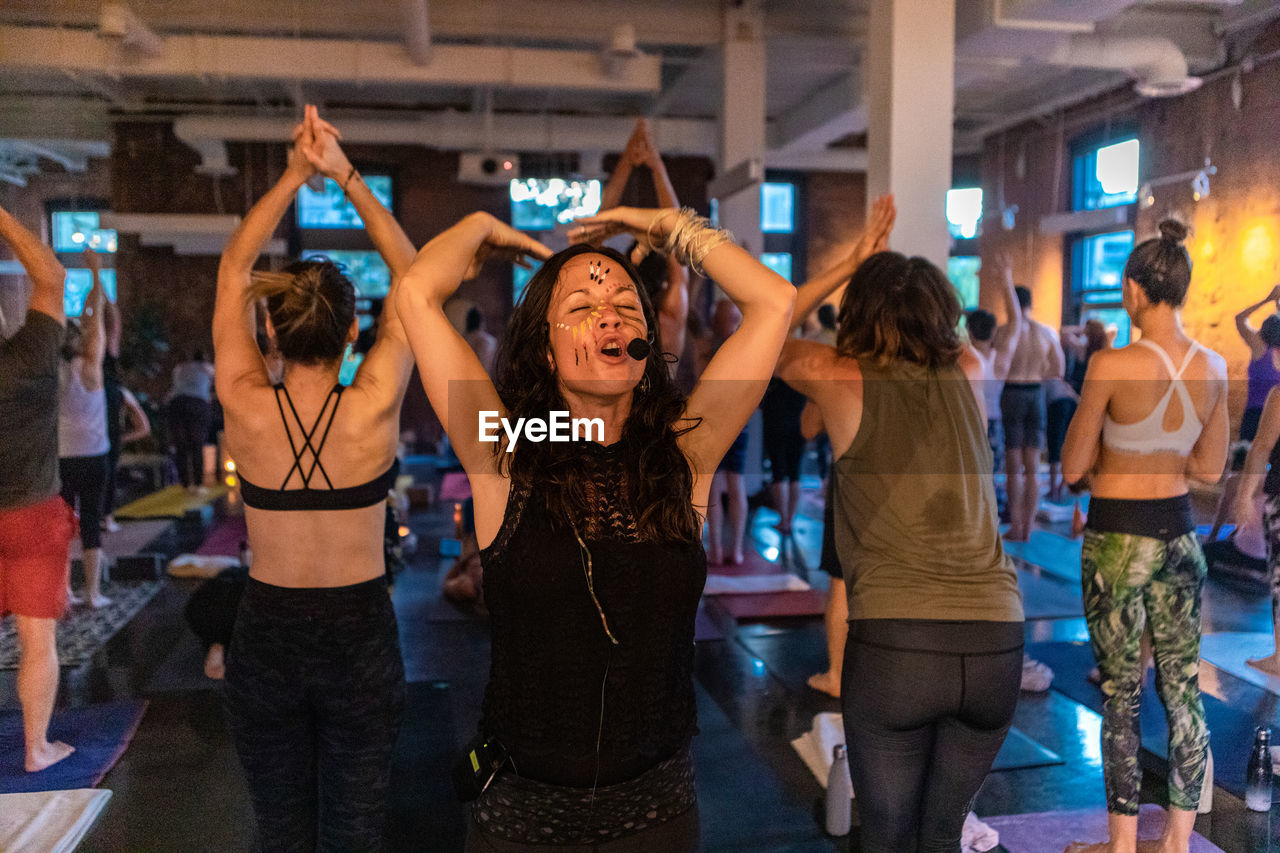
[[993, 345], [35, 523], [1037, 356]]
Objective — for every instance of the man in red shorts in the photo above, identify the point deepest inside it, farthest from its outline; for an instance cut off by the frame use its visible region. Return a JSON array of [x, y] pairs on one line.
[[35, 523]]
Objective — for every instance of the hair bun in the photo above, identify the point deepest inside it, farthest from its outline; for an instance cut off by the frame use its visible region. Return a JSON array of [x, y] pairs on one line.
[[1173, 231]]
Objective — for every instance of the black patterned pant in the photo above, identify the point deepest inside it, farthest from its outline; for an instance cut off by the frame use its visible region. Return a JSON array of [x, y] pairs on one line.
[[315, 695]]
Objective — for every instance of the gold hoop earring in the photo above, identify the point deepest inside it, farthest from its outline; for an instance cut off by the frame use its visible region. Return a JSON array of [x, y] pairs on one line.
[[644, 383]]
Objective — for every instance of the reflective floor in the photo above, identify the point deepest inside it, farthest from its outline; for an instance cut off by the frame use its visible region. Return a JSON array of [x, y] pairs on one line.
[[178, 787]]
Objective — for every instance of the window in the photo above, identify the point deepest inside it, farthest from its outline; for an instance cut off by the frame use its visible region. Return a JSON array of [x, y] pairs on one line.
[[963, 272], [79, 282], [777, 208], [366, 269], [1097, 273], [1106, 175], [964, 212], [779, 262], [539, 204], [330, 208], [76, 230]]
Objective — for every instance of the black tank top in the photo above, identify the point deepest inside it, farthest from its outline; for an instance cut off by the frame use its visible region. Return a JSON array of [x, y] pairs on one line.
[[552, 659]]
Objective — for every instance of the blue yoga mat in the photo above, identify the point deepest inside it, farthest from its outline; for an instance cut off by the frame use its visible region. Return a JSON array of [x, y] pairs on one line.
[[100, 734]]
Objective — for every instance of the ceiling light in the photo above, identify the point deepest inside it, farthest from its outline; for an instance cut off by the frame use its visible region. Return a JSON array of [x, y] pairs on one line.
[[1200, 186], [1167, 88], [1146, 196]]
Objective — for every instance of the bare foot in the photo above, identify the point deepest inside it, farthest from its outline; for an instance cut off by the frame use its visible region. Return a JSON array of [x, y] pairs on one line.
[[74, 600], [1270, 664], [1010, 536], [737, 559], [715, 558], [825, 682], [99, 601], [47, 755], [215, 662]]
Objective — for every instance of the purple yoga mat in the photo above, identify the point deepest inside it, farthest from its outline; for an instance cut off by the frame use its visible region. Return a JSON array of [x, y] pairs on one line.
[[1041, 831], [100, 734]]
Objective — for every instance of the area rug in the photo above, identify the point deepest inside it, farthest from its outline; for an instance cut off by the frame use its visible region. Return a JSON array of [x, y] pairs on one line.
[[48, 821], [100, 734], [170, 502], [1040, 831], [84, 630]]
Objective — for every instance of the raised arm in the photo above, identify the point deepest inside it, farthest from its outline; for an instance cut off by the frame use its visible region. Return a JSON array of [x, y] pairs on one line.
[[91, 325], [874, 238], [112, 327], [41, 265], [237, 360], [617, 184], [734, 381], [1255, 464], [1006, 334], [389, 364], [1250, 335], [1056, 362], [673, 303], [455, 381]]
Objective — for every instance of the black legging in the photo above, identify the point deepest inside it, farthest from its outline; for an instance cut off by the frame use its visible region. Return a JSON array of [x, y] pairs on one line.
[[84, 480], [926, 707], [211, 610], [314, 696], [189, 419]]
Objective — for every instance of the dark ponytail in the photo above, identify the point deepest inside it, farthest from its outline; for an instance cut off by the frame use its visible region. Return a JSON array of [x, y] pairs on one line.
[[1161, 265]]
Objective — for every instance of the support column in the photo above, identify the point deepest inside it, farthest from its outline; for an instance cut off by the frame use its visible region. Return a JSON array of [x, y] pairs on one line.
[[911, 94], [742, 122]]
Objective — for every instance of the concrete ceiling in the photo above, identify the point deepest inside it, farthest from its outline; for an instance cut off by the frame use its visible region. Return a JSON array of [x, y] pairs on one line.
[[429, 61]]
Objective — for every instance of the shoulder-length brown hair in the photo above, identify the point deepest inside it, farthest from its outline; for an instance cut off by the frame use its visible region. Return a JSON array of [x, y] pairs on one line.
[[897, 308]]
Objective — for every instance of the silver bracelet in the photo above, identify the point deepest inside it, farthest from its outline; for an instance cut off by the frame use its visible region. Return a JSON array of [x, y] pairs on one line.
[[693, 237]]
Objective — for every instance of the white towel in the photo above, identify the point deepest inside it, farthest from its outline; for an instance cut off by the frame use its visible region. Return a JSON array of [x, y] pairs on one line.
[[815, 746], [48, 821], [198, 566]]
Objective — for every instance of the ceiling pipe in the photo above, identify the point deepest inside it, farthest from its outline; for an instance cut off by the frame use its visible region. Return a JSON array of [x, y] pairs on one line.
[[417, 30], [1159, 65]]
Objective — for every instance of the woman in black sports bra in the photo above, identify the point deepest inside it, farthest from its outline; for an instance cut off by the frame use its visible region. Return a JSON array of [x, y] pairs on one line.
[[314, 679], [592, 551]]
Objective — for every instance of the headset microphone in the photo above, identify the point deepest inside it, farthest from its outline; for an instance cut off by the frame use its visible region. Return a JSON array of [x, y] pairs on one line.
[[639, 349]]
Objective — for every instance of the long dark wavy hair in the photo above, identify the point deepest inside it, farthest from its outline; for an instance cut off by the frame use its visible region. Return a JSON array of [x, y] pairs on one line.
[[658, 477], [897, 308]]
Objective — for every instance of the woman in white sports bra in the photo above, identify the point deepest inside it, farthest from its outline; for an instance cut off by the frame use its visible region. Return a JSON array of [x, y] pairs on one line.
[[1152, 415]]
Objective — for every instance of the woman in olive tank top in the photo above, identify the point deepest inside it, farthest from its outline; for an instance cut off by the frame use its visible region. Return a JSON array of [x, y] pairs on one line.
[[933, 660]]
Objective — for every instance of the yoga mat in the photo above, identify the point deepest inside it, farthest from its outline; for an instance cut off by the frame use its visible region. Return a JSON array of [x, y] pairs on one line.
[[792, 656], [455, 486], [170, 502], [224, 539], [48, 821], [1020, 752], [1230, 653], [718, 584], [1055, 554], [739, 817], [1230, 727], [1041, 831], [84, 630], [773, 605], [705, 630], [100, 734], [1048, 597]]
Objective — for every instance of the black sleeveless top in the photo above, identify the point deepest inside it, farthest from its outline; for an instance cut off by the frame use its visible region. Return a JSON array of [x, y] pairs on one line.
[[285, 499], [551, 656]]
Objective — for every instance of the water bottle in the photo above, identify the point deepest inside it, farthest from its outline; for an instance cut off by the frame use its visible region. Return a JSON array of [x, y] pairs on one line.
[[1257, 783], [840, 792]]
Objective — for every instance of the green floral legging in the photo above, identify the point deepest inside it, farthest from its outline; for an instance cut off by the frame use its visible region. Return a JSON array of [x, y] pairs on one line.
[[1129, 581]]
